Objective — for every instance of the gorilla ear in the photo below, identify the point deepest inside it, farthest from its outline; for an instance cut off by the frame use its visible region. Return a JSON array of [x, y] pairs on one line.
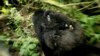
[[48, 18]]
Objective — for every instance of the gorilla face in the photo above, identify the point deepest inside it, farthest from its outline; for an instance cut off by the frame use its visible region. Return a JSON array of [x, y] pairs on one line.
[[57, 30]]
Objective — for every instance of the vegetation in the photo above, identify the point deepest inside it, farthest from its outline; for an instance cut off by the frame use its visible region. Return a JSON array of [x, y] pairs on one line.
[[16, 20]]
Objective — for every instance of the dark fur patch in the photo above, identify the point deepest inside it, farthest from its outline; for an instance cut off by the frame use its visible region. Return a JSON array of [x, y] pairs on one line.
[[59, 35]]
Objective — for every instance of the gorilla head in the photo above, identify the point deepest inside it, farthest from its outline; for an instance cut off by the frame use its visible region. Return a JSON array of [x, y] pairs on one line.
[[57, 33]]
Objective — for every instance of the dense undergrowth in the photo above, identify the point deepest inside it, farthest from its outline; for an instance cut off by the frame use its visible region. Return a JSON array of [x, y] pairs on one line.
[[16, 21]]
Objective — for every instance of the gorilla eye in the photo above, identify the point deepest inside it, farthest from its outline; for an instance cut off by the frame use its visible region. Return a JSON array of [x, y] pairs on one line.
[[66, 25], [63, 26], [48, 18], [71, 27]]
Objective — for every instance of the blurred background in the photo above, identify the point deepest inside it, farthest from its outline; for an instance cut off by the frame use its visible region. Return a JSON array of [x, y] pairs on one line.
[[17, 36]]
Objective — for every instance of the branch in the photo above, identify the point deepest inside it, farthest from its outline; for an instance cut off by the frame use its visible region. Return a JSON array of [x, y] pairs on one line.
[[54, 3]]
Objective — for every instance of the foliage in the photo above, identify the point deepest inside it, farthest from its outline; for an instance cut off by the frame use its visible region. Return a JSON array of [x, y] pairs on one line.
[[18, 26], [89, 24], [25, 41], [21, 32]]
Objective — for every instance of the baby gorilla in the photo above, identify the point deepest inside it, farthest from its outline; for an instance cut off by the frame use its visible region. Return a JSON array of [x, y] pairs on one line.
[[60, 36]]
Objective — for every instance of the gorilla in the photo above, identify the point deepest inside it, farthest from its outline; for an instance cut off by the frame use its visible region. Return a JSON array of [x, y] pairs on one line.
[[60, 36]]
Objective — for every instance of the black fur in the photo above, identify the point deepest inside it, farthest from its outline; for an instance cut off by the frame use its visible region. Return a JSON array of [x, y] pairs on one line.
[[60, 36]]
